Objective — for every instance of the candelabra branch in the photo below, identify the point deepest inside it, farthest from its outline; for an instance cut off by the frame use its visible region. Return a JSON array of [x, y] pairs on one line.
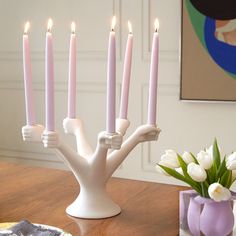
[[51, 139], [122, 125], [106, 141], [77, 164], [75, 127], [141, 134]]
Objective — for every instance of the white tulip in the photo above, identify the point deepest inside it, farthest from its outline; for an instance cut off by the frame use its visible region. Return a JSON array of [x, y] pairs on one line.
[[160, 170], [233, 174], [210, 150], [179, 170], [218, 193], [205, 160], [196, 172], [170, 159], [187, 157], [231, 161], [231, 165]]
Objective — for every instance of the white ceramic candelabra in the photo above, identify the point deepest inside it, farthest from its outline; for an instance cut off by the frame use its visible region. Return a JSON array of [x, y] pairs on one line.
[[92, 169]]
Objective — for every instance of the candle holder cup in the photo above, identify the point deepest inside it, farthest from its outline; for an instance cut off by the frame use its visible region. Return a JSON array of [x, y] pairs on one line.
[[92, 169]]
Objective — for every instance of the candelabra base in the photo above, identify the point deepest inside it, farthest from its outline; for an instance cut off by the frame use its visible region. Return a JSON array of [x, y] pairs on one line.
[[93, 205]]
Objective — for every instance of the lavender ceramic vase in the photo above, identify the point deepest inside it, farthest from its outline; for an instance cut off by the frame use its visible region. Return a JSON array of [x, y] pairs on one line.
[[203, 215]]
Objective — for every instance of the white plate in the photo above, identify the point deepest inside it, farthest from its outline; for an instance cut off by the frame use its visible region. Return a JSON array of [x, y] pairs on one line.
[[5, 226]]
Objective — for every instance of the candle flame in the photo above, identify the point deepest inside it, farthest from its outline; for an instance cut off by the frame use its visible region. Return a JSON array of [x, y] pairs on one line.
[[156, 25], [130, 27], [50, 24], [27, 25], [113, 23], [73, 26]]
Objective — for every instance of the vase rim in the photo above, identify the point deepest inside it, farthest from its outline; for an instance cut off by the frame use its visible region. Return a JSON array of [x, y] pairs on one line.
[[203, 200]]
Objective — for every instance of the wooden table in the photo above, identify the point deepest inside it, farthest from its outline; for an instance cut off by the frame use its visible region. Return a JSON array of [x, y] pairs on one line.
[[41, 196]]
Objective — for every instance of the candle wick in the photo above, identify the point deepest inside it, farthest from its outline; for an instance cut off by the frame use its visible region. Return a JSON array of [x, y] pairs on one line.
[[112, 30], [155, 30]]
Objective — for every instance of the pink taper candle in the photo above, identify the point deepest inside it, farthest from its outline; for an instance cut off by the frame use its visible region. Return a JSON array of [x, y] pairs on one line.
[[49, 74], [111, 81], [126, 75], [29, 104], [153, 77], [72, 75]]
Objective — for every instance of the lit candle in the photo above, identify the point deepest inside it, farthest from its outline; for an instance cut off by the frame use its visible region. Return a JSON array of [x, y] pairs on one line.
[[126, 75], [111, 81], [49, 74], [152, 102], [72, 75], [29, 104]]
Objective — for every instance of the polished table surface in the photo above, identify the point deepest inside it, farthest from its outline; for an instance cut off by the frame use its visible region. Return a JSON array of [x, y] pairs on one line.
[[41, 195]]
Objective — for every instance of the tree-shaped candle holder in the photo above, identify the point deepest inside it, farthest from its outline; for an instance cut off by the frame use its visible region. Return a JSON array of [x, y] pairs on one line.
[[92, 169]]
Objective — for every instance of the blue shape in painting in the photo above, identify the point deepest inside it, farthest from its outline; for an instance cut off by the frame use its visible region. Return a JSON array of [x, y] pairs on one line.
[[222, 53]]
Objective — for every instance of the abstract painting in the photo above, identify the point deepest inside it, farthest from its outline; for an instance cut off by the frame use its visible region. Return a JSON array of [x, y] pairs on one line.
[[208, 50]]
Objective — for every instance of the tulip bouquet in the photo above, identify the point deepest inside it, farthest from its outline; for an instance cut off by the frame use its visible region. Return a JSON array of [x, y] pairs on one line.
[[207, 173]]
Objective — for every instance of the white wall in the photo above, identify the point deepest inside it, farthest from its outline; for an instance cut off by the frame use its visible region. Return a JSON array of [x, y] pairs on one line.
[[185, 126]]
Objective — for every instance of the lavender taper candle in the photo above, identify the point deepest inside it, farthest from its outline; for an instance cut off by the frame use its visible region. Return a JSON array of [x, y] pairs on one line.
[[152, 102], [111, 81], [29, 101], [72, 75], [49, 74], [126, 75]]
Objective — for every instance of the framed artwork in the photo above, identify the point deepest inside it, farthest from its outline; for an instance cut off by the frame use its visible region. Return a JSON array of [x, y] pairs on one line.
[[208, 50]]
